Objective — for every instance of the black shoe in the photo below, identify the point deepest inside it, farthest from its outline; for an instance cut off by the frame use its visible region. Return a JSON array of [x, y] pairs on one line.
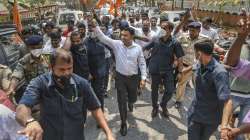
[[130, 107], [154, 112], [124, 129], [165, 113], [177, 105]]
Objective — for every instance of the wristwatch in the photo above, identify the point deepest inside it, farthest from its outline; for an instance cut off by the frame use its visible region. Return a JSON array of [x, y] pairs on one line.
[[29, 121]]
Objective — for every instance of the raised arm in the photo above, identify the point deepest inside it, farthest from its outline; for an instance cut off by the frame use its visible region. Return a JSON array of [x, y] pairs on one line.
[[182, 23], [233, 55], [23, 115], [105, 39]]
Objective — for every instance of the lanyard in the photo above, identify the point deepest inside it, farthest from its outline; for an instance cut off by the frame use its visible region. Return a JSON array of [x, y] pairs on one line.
[[74, 97]]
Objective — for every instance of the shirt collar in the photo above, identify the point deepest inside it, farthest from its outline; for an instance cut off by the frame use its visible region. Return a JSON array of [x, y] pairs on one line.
[[52, 82], [131, 46]]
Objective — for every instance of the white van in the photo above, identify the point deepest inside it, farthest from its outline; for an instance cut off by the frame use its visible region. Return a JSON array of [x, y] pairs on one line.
[[64, 16]]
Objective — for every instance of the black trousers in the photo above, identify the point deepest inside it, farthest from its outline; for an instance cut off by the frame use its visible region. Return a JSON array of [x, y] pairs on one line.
[[168, 83], [106, 78], [200, 131], [126, 92], [98, 87]]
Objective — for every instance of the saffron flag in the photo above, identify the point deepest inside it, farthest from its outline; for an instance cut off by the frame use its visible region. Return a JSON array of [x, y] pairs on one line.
[[16, 17], [100, 3], [115, 6]]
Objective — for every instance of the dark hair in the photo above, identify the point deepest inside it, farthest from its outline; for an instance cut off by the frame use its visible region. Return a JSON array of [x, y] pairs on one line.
[[62, 54], [205, 45], [154, 18], [115, 21], [58, 29], [55, 35], [74, 33], [130, 30], [81, 25]]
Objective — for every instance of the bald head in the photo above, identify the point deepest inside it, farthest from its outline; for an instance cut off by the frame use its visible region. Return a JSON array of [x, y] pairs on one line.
[[61, 56]]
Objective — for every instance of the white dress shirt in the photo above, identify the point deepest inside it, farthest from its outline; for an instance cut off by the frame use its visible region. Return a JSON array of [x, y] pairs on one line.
[[128, 59], [211, 33], [151, 35], [48, 49]]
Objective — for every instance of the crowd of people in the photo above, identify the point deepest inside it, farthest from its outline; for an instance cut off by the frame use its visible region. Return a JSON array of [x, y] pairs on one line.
[[68, 72]]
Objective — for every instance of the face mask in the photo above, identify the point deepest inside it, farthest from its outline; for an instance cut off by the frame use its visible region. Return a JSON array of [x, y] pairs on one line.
[[36, 52], [162, 33], [75, 47], [63, 80], [92, 35]]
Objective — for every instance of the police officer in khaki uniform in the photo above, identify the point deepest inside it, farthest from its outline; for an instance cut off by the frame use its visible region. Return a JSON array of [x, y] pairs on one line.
[[5, 77], [30, 66]]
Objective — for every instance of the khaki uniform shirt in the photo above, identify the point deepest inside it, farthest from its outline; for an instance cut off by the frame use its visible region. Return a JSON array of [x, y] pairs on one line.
[[29, 68], [5, 77], [188, 47]]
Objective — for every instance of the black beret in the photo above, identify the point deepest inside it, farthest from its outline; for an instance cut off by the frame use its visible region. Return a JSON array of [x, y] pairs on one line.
[[34, 40], [195, 25], [124, 24]]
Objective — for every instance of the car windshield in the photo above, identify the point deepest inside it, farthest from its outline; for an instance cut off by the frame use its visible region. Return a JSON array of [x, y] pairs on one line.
[[172, 16], [64, 18]]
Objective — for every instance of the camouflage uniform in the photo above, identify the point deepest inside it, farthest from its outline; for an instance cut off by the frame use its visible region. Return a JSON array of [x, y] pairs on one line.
[[5, 77], [28, 68]]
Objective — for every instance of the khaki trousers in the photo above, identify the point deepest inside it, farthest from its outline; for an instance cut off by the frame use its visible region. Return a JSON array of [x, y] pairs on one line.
[[181, 84]]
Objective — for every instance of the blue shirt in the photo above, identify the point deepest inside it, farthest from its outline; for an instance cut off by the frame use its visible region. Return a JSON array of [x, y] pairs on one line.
[[211, 92], [96, 57], [62, 112], [45, 84]]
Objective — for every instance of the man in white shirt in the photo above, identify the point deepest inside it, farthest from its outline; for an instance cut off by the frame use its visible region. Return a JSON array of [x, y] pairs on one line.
[[55, 41], [145, 33], [208, 31], [129, 57], [154, 26]]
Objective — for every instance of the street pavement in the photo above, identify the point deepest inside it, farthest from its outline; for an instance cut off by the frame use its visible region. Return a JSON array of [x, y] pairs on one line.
[[141, 126]]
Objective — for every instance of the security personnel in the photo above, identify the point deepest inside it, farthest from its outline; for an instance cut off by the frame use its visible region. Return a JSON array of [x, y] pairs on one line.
[[187, 41], [64, 98], [30, 66], [5, 77], [97, 63], [80, 57], [163, 53]]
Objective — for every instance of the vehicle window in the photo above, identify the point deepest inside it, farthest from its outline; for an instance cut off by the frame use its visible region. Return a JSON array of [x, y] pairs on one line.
[[171, 16], [11, 44], [64, 18]]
